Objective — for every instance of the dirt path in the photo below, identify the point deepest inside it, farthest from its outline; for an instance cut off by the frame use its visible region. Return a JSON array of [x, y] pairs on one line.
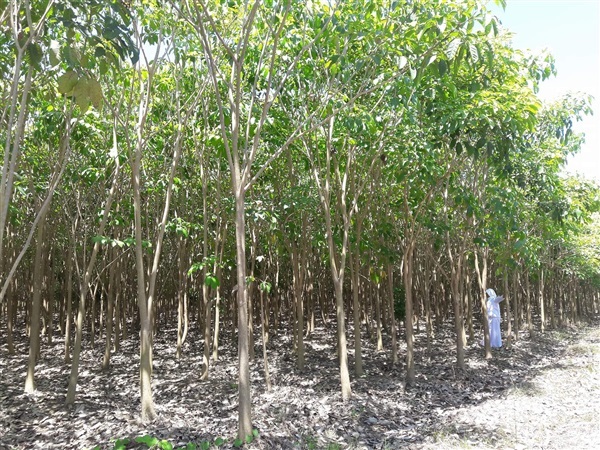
[[543, 392], [557, 409]]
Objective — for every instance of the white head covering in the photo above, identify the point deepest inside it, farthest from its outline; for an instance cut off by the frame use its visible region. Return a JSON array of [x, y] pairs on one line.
[[491, 292]]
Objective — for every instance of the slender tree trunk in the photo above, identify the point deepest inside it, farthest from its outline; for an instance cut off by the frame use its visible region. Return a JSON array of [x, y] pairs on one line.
[[427, 300], [83, 290], [215, 355], [354, 274], [378, 317], [69, 301], [244, 412], [408, 310], [11, 308], [341, 338], [298, 306], [110, 311], [528, 305], [180, 298], [207, 334], [507, 299], [205, 288], [456, 260], [217, 269], [482, 281], [117, 321], [34, 321], [516, 304], [94, 303], [264, 343], [469, 303], [551, 296], [541, 300], [148, 413], [393, 331], [16, 120], [50, 293]]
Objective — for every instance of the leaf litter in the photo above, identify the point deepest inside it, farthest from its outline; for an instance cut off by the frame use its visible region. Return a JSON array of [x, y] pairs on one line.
[[542, 392]]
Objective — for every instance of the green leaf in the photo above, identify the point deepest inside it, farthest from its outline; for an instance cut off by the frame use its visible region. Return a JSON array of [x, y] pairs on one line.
[[103, 67], [265, 286], [95, 92], [121, 444], [83, 103], [66, 82], [211, 281], [219, 441], [442, 67], [204, 445], [99, 51], [100, 239], [72, 56], [35, 55], [520, 243], [148, 440], [81, 94], [238, 442], [165, 445]]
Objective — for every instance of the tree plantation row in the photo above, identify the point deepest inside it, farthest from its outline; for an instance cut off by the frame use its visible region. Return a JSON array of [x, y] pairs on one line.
[[255, 167]]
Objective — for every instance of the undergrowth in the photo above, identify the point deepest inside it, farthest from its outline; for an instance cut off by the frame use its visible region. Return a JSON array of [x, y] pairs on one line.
[[153, 443]]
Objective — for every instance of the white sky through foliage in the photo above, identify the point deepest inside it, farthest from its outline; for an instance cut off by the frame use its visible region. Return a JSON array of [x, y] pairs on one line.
[[570, 30]]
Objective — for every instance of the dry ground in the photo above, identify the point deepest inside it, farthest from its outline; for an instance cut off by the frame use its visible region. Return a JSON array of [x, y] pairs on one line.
[[543, 392]]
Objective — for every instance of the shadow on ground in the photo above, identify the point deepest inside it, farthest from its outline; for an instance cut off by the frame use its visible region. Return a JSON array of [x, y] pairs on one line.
[[304, 410]]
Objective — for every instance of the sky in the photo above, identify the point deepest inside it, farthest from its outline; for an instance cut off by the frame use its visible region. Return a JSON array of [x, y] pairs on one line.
[[570, 30]]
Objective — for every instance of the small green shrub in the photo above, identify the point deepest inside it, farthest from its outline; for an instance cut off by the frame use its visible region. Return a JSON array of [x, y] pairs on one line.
[[156, 444]]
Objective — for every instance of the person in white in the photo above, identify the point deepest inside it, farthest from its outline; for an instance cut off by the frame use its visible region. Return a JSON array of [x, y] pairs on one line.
[[493, 313]]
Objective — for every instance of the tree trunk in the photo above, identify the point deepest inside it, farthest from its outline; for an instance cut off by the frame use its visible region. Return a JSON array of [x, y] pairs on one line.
[[50, 293], [341, 339], [215, 355], [482, 274], [354, 274], [507, 299], [469, 303], [110, 310], [541, 301], [11, 307], [408, 309], [244, 412], [298, 306], [34, 320], [458, 311], [515, 304], [528, 305], [264, 343], [83, 290], [148, 413], [378, 317], [393, 331]]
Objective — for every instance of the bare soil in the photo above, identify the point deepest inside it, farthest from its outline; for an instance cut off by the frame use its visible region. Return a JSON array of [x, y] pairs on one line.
[[541, 393]]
